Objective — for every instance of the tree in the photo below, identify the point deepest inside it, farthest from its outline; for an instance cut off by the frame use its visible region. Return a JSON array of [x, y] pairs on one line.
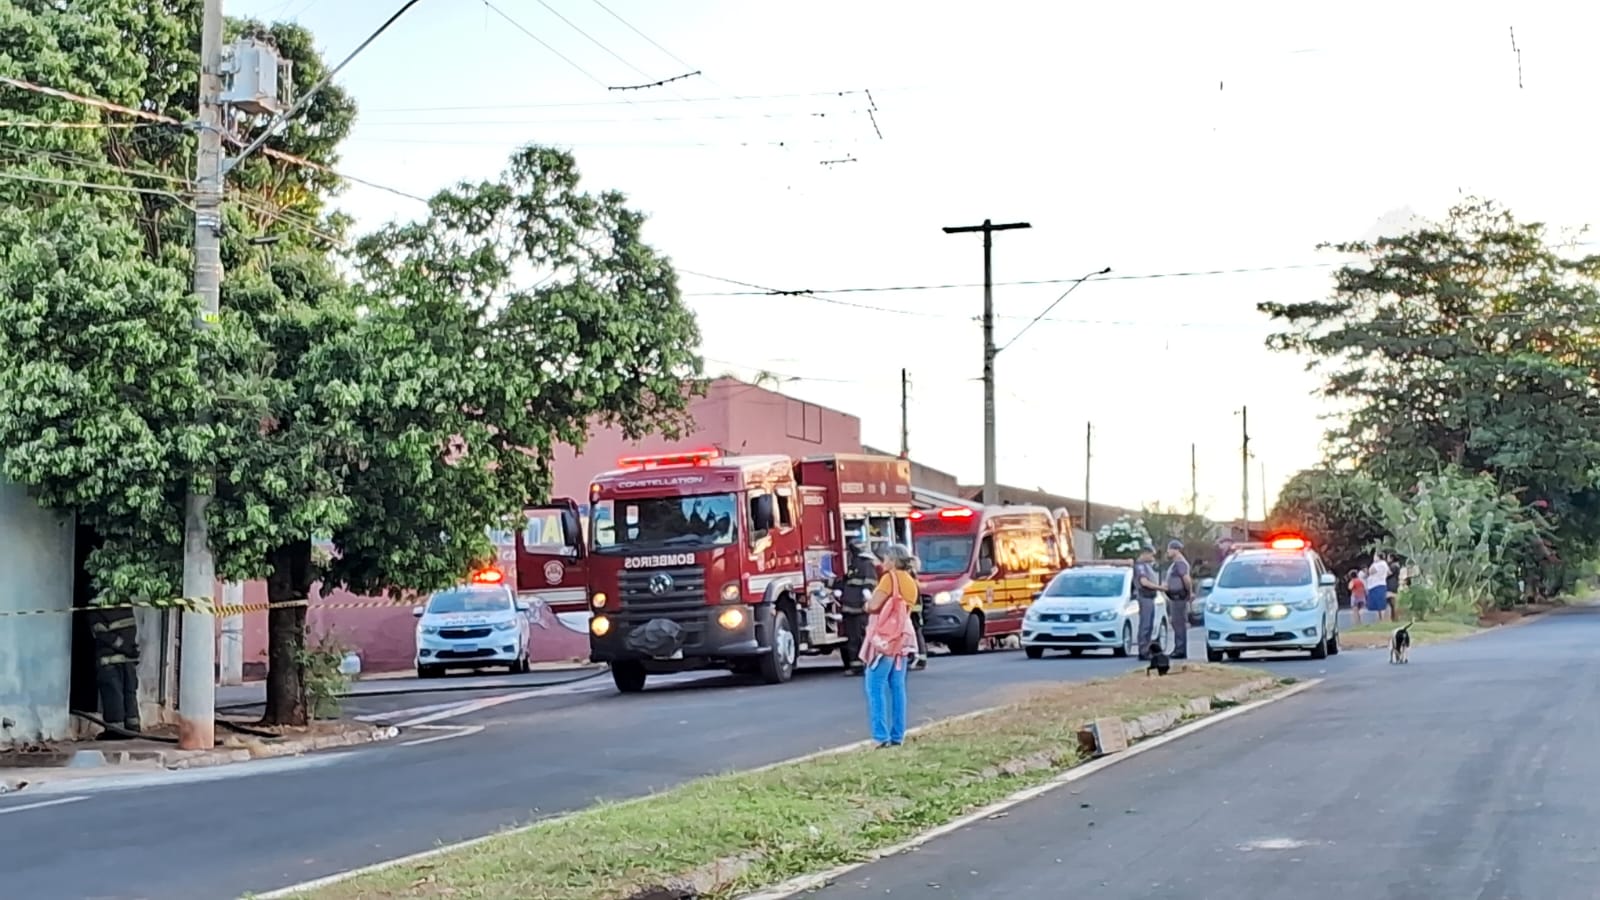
[[1123, 538], [1470, 342], [1336, 510], [1198, 534]]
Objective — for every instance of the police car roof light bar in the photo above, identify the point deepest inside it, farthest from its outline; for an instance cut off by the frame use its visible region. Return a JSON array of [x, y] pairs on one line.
[[488, 576]]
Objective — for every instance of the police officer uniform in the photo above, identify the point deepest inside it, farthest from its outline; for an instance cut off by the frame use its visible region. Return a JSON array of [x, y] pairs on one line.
[[116, 644]]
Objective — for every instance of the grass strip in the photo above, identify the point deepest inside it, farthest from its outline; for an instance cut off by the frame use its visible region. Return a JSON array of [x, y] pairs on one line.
[[737, 832], [1376, 634]]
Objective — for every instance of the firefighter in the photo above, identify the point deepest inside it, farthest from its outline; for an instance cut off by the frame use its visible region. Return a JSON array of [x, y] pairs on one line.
[[116, 645], [915, 605], [861, 577]]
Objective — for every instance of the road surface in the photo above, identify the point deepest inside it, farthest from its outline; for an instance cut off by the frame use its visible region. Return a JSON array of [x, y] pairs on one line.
[[1470, 773], [217, 833]]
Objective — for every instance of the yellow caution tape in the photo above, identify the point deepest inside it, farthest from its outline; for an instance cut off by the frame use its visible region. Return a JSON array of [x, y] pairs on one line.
[[204, 605]]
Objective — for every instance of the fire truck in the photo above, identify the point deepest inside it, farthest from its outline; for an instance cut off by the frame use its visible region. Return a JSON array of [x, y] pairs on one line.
[[982, 567], [697, 560]]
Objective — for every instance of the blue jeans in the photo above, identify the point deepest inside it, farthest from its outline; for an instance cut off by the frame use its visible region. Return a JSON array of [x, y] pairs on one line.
[[886, 700]]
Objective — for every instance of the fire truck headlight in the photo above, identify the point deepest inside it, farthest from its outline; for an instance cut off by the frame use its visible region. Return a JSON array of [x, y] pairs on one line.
[[731, 618], [731, 592], [598, 600], [600, 625], [943, 597]]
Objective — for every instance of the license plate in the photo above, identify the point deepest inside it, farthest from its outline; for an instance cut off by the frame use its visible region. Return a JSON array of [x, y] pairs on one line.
[[467, 648], [1064, 629], [1259, 630]]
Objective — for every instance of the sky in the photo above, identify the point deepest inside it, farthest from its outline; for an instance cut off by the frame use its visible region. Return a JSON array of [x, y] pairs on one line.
[[824, 145]]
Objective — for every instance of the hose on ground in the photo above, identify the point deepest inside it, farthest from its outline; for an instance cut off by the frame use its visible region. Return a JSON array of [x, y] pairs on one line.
[[453, 689], [140, 735]]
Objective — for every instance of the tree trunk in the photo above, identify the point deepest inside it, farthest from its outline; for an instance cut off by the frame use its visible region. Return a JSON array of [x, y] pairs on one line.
[[290, 582]]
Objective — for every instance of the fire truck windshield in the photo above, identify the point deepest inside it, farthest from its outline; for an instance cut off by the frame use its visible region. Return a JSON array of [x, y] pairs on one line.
[[706, 520], [945, 554]]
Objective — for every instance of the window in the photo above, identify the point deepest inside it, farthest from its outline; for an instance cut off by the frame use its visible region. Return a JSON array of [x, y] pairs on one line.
[[1086, 584], [1265, 572], [944, 554], [546, 529], [470, 600], [785, 508], [1023, 549], [986, 563], [761, 517], [705, 520]]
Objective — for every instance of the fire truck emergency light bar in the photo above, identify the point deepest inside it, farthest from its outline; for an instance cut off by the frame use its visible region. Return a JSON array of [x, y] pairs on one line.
[[692, 458]]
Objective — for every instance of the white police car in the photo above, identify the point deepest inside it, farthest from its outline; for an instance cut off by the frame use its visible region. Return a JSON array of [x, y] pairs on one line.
[[1090, 607], [1275, 596], [474, 626]]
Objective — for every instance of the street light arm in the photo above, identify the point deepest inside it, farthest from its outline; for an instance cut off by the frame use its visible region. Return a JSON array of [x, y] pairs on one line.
[[1052, 305]]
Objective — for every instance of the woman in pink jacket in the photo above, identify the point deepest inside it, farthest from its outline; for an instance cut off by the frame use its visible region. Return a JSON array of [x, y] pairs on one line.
[[890, 645]]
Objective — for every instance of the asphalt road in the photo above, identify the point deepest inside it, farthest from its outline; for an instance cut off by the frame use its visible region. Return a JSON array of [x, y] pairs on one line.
[[1470, 773], [218, 833]]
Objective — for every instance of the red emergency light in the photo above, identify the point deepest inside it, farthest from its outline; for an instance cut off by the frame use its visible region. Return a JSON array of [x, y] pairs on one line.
[[488, 576], [916, 515], [692, 458], [955, 512], [1288, 542]]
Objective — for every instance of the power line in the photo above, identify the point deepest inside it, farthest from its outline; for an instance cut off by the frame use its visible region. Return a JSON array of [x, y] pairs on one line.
[[1053, 303], [652, 41], [543, 43], [610, 144], [327, 77], [731, 117], [729, 98], [596, 41], [90, 185]]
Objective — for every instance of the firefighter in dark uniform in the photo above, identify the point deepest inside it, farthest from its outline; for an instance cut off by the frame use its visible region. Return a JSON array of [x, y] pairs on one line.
[[915, 606], [116, 645], [861, 576]]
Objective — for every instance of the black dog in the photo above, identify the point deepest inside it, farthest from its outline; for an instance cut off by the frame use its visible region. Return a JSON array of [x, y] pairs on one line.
[[1160, 662], [1400, 644]]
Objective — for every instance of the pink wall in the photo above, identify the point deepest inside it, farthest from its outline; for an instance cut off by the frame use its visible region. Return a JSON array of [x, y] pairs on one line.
[[734, 416]]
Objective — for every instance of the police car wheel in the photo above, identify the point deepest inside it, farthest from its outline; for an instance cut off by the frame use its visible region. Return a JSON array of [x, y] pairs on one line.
[[1126, 648], [1215, 656], [1034, 652]]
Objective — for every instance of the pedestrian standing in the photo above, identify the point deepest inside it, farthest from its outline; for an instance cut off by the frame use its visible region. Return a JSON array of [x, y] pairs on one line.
[[1180, 587], [915, 605], [1377, 581], [1146, 586], [1358, 596], [861, 575], [1394, 585], [116, 645], [890, 647]]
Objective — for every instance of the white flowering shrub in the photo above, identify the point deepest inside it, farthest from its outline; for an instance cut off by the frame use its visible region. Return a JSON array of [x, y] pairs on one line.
[[1123, 538]]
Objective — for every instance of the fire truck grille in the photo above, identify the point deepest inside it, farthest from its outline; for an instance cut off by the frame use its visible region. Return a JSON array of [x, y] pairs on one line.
[[648, 587]]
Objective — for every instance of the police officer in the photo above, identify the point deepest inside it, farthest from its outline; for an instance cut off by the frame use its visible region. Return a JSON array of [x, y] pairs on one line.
[[116, 644], [860, 578]]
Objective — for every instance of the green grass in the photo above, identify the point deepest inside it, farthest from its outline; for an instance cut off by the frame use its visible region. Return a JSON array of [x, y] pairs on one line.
[[740, 831], [1376, 634]]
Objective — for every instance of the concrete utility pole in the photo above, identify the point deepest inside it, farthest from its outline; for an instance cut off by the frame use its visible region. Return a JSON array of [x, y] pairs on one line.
[[905, 415], [197, 692], [1244, 460], [1194, 484], [991, 489], [1088, 460]]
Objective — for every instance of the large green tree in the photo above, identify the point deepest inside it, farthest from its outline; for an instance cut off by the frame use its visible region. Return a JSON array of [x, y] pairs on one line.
[[403, 414], [1470, 342], [1336, 509]]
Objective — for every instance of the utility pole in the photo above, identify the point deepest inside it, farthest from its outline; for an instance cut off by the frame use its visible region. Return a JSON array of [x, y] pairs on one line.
[[905, 415], [1194, 484], [1263, 483], [991, 489], [1244, 457], [1088, 460], [197, 692]]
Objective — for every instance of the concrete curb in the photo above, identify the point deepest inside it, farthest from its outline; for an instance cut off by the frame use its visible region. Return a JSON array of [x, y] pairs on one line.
[[802, 883], [200, 759], [1229, 695]]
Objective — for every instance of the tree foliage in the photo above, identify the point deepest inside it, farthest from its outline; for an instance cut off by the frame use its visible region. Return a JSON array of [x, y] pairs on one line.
[[1198, 534], [1336, 510], [1472, 343], [1123, 538], [402, 414]]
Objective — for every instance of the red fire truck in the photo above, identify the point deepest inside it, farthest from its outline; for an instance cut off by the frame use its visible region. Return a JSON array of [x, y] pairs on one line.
[[696, 560]]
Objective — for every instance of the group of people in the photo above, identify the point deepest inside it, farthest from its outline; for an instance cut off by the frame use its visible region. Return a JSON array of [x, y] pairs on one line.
[[883, 629], [1375, 589], [1177, 583]]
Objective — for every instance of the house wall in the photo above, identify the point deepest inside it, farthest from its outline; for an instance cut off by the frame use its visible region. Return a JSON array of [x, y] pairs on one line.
[[35, 650]]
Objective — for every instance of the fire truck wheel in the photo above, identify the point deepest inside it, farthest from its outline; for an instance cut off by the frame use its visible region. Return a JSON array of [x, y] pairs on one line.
[[778, 665], [971, 637], [629, 676]]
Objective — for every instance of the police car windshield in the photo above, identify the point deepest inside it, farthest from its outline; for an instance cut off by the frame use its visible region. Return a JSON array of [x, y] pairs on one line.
[[1266, 571], [1086, 584], [702, 520], [469, 600], [944, 554]]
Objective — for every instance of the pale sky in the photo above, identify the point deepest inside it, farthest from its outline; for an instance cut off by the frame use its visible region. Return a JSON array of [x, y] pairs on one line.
[[1153, 138]]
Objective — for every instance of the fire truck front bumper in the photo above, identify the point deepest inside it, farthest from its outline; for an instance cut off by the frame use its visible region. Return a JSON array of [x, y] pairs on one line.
[[679, 638]]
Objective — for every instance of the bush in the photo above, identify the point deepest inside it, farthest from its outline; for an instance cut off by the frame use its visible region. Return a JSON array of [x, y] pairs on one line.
[[325, 681], [1122, 539]]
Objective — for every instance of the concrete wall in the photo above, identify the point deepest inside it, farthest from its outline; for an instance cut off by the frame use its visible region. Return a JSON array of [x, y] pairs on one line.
[[36, 563]]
